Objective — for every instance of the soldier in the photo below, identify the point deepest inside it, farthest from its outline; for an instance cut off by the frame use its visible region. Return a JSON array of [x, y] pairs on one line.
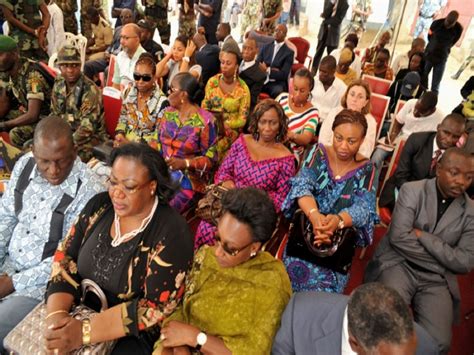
[[29, 85], [86, 24], [103, 35], [249, 20], [69, 9], [271, 12], [187, 18], [156, 12], [28, 23], [77, 99]]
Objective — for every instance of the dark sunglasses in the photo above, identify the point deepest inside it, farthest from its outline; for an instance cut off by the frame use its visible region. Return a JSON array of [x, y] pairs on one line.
[[144, 77], [232, 252]]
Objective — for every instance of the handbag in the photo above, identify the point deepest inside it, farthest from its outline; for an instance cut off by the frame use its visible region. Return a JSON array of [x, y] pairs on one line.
[[336, 256], [209, 207], [28, 336]]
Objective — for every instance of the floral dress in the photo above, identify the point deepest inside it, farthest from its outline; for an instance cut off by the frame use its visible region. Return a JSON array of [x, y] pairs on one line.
[[144, 275], [270, 175], [194, 140], [234, 107], [139, 125], [354, 193]]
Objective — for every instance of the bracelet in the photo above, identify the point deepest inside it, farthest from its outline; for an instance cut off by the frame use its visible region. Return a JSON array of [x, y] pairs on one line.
[[55, 312], [311, 211], [86, 332], [187, 163]]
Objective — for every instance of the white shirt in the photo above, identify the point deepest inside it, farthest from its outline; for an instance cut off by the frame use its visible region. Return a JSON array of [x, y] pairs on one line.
[[245, 65], [356, 65], [324, 100], [124, 67], [366, 148], [55, 34], [412, 124], [401, 61], [345, 345]]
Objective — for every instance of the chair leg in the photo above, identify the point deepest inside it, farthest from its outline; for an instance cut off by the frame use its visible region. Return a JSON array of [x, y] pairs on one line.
[[362, 253]]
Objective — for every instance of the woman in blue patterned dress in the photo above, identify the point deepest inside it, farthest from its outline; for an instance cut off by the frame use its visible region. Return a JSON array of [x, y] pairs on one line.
[[334, 190]]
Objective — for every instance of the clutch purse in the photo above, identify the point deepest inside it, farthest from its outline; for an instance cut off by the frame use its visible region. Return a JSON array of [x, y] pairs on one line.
[[336, 256], [209, 207], [28, 336]]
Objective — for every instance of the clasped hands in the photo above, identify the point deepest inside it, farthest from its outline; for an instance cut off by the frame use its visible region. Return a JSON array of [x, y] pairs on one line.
[[324, 227], [63, 335]]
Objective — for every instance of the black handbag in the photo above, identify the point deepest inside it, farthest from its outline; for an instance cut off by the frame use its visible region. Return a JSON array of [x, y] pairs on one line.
[[337, 256]]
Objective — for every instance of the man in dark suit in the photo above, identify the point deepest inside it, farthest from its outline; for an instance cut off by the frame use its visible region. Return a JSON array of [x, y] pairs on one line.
[[209, 17], [224, 37], [374, 319], [330, 30], [430, 240], [249, 70], [276, 59], [207, 56], [420, 154]]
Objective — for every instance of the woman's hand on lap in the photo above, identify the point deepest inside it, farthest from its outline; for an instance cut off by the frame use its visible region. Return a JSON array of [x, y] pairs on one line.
[[64, 335], [176, 334]]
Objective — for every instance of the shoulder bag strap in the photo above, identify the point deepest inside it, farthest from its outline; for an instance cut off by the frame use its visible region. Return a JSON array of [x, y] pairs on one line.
[[22, 184]]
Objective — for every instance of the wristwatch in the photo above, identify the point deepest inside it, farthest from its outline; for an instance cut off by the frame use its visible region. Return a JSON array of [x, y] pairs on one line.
[[201, 339], [340, 225], [186, 59]]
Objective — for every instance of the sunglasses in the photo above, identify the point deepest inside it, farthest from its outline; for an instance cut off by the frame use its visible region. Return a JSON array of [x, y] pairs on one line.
[[232, 252], [144, 77]]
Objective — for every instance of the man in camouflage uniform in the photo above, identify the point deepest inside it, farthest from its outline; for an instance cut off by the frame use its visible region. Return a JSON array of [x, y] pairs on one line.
[[69, 8], [156, 12], [86, 24], [29, 85], [187, 18], [271, 12], [35, 17], [78, 100], [249, 19]]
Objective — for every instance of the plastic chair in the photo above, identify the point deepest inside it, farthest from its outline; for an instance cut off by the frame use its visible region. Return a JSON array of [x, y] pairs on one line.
[[112, 100], [378, 109], [384, 212], [78, 41], [110, 72], [377, 85], [302, 46]]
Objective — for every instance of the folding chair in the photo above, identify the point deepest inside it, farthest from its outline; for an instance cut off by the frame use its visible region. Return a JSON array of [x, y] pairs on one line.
[[377, 85], [112, 105], [378, 109], [302, 46]]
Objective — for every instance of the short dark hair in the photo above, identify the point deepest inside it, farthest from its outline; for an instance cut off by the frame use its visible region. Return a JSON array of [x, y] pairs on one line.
[[189, 84], [147, 59], [92, 11], [183, 39], [329, 61], [225, 26], [153, 162], [429, 100], [254, 208], [456, 118], [305, 73], [377, 313], [453, 151], [53, 128], [260, 109], [384, 51], [352, 37], [350, 116]]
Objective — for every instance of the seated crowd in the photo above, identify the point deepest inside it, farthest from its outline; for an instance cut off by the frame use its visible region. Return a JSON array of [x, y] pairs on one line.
[[299, 148]]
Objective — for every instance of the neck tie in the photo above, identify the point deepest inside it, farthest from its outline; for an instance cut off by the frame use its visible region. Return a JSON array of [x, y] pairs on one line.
[[434, 161]]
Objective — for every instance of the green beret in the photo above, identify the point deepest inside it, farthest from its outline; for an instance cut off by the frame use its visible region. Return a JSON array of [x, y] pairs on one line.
[[69, 55], [7, 44]]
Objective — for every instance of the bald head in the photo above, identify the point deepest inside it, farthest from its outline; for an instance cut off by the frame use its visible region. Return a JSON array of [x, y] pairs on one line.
[[130, 38], [451, 19], [126, 16], [52, 128]]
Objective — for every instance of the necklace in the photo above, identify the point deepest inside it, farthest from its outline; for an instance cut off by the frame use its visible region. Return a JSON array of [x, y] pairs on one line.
[[338, 172], [119, 238], [297, 105]]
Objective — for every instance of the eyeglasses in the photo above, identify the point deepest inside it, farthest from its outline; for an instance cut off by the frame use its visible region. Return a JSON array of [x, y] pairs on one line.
[[127, 37], [231, 252], [144, 77], [172, 90], [113, 185]]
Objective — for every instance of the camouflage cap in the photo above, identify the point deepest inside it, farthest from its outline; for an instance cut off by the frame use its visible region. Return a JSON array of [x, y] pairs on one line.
[[7, 44], [69, 55]]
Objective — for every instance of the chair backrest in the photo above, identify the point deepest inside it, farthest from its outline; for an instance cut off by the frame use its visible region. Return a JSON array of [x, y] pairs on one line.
[[378, 109], [302, 46], [377, 85], [399, 106], [112, 100], [397, 153], [110, 72], [78, 41]]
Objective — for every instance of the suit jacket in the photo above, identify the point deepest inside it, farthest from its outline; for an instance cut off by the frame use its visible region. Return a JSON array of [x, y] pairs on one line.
[[414, 164], [312, 325], [445, 248], [332, 24], [254, 78], [283, 61], [208, 59]]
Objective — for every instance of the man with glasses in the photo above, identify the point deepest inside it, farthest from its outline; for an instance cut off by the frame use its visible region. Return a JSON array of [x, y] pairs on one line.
[[77, 100], [128, 56], [48, 189], [120, 5]]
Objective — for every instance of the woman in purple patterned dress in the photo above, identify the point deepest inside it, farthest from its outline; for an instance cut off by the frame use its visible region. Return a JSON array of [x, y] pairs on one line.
[[258, 160]]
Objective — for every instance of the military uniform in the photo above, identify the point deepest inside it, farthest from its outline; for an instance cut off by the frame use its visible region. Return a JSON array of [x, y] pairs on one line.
[[30, 15], [156, 12], [250, 19], [187, 18], [86, 25], [69, 8], [270, 8], [28, 84]]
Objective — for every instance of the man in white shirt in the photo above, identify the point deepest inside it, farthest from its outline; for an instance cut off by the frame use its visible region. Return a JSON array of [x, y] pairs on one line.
[[374, 319], [328, 90], [417, 115], [55, 34], [128, 56], [401, 61]]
